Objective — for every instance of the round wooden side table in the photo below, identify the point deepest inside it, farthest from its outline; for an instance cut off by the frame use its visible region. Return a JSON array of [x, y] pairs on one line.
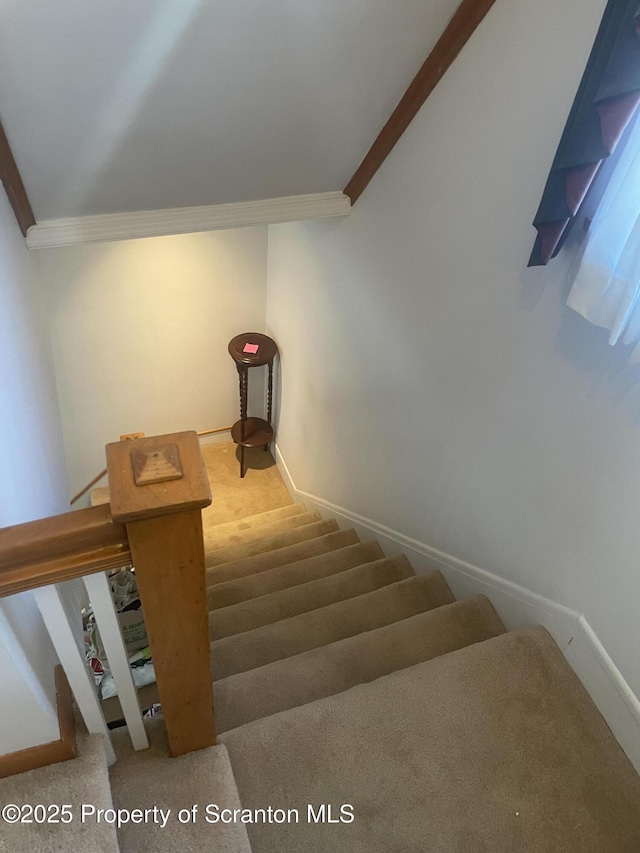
[[251, 349]]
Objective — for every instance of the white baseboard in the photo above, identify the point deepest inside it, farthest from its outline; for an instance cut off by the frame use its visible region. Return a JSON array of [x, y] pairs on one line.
[[517, 606]]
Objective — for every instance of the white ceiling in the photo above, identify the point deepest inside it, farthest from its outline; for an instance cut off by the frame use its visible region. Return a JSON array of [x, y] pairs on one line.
[[121, 105]]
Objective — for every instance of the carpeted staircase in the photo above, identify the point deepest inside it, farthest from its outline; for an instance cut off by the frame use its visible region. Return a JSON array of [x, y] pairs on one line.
[[343, 678]]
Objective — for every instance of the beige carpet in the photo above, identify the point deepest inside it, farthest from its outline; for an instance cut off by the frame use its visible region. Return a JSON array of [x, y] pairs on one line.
[[217, 535], [261, 489], [215, 560], [214, 540], [338, 666], [152, 778], [83, 780], [284, 567], [304, 597], [245, 523], [492, 749], [328, 624], [342, 678]]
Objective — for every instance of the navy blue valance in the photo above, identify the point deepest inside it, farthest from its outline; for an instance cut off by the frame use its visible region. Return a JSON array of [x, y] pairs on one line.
[[607, 99]]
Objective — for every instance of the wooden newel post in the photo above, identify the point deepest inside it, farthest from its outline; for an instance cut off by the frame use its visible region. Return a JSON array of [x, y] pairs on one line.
[[158, 488]]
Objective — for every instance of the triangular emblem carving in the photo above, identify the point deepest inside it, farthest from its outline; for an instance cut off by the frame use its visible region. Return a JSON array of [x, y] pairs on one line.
[[156, 466]]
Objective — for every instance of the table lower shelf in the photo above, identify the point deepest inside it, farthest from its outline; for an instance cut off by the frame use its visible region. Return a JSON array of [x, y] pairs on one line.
[[256, 433]]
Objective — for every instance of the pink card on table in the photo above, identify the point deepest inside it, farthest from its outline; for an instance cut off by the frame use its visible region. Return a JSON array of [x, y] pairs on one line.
[[252, 349]]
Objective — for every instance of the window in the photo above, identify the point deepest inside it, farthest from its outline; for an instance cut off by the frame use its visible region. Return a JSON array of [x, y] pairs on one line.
[[606, 275], [606, 102]]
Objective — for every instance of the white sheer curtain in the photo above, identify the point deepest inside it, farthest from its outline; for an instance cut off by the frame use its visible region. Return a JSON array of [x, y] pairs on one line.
[[606, 277]]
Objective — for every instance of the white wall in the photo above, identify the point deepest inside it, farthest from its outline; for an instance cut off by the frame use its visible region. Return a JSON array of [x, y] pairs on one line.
[[140, 331], [430, 381], [32, 485]]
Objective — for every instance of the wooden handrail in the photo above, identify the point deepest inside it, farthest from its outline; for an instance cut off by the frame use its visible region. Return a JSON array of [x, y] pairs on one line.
[[103, 473], [82, 492], [61, 548], [213, 431], [159, 486]]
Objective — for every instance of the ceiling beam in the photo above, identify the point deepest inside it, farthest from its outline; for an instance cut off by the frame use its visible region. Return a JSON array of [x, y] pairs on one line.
[[460, 29], [14, 188]]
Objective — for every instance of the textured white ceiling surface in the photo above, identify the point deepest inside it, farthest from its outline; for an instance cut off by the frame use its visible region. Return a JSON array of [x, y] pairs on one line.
[[122, 105]]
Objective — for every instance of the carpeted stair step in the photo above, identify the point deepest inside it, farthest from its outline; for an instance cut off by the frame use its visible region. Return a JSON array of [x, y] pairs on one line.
[[331, 669], [239, 525], [496, 747], [258, 564], [151, 778], [276, 570], [233, 553], [328, 624], [83, 780], [234, 532], [307, 596]]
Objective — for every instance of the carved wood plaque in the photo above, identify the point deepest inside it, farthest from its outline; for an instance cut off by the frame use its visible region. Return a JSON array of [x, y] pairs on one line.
[[156, 466]]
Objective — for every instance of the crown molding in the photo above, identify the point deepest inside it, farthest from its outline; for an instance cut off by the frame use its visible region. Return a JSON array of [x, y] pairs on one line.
[[49, 233]]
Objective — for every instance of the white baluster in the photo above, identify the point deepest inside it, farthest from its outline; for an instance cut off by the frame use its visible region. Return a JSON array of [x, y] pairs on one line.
[[69, 645], [99, 592]]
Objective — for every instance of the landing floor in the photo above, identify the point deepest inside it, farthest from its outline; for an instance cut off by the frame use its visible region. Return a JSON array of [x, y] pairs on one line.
[[261, 489]]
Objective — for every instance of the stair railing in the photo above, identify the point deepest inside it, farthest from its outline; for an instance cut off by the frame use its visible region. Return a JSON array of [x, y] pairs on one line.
[[158, 488]]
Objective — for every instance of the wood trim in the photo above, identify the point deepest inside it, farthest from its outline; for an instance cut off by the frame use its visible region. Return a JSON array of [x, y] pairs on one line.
[[164, 526], [132, 502], [55, 612], [460, 29], [63, 749], [66, 719], [213, 431], [170, 567], [14, 188], [185, 220], [60, 548], [82, 492]]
